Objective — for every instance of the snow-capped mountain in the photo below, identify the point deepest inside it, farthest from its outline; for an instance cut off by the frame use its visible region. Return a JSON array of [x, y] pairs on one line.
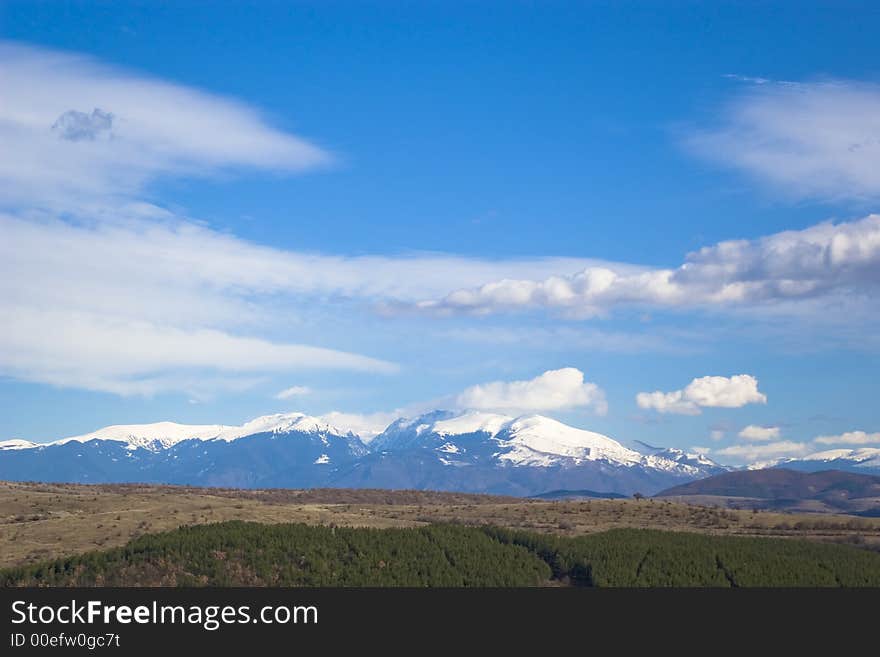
[[156, 436], [700, 461], [863, 460], [162, 435], [284, 450], [469, 451], [486, 452]]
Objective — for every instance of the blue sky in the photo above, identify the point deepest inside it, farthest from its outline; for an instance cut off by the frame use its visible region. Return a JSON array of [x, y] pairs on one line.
[[416, 191]]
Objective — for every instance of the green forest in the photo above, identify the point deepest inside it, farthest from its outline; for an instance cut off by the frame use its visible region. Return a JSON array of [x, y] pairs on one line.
[[251, 554]]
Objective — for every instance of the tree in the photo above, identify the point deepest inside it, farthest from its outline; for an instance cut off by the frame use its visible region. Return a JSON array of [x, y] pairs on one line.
[[638, 496]]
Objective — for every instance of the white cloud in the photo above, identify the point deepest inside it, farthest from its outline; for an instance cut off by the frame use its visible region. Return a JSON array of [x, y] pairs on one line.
[[755, 432], [148, 127], [148, 268], [667, 402], [702, 451], [553, 390], [782, 268], [764, 451], [705, 392], [817, 139], [594, 339], [717, 434], [850, 438], [126, 357], [108, 292], [293, 391], [366, 425]]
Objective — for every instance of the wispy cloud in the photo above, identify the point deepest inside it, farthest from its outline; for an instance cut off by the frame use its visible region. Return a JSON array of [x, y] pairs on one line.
[[57, 104], [127, 357], [108, 292], [705, 392], [590, 338], [813, 139], [293, 391], [764, 451]]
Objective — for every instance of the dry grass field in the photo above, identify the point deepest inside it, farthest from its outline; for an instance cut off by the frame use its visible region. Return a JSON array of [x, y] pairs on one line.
[[44, 521]]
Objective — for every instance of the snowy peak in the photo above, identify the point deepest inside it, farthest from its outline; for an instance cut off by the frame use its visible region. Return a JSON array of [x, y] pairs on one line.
[[471, 437], [16, 443], [158, 435], [163, 435], [539, 440], [678, 455], [471, 422], [280, 423], [443, 450], [858, 455], [859, 458]]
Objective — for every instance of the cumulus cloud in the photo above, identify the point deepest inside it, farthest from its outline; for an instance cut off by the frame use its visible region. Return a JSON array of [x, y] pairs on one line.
[[815, 139], [553, 390], [785, 267], [293, 391], [705, 392], [764, 451], [75, 126], [755, 432], [850, 438]]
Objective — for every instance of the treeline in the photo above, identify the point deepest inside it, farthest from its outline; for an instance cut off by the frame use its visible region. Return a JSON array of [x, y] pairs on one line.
[[640, 557], [251, 554]]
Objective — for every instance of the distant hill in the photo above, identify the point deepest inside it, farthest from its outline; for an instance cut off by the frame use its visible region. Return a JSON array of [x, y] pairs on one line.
[[577, 495], [783, 488], [251, 554]]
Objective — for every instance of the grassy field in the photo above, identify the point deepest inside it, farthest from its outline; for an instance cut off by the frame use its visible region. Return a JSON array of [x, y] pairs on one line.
[[47, 521]]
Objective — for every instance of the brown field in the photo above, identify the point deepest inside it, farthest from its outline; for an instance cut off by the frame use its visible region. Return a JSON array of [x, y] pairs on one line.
[[44, 521]]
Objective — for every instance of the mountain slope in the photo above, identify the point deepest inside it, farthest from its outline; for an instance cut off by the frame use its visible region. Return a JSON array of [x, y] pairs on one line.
[[468, 452], [782, 488], [485, 452], [863, 460]]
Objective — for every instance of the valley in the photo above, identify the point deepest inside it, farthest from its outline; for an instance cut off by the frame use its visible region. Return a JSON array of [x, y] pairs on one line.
[[47, 521]]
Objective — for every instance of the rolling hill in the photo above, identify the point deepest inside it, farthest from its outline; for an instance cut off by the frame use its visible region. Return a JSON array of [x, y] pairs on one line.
[[783, 488]]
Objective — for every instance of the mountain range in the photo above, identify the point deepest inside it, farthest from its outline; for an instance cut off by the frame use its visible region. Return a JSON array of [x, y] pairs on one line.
[[466, 451], [441, 450], [860, 460]]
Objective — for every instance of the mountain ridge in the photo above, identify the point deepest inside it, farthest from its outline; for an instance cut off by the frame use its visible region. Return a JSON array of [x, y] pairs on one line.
[[468, 451]]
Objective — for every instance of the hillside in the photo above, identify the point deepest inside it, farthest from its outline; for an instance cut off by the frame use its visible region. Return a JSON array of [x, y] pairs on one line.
[[783, 488], [47, 521], [464, 451], [250, 554], [577, 495]]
